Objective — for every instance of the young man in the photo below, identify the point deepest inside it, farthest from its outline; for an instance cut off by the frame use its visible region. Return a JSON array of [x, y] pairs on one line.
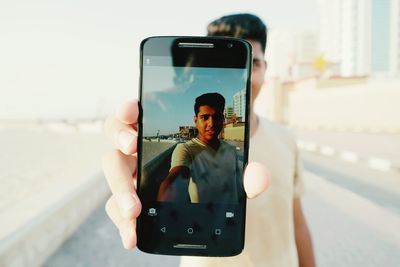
[[193, 163], [276, 231]]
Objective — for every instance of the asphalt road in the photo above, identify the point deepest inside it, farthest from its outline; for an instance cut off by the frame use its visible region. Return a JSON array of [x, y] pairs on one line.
[[97, 243], [347, 232], [341, 236]]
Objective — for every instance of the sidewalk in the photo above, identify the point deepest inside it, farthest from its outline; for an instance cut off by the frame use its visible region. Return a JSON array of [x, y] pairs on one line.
[[379, 151], [45, 168]]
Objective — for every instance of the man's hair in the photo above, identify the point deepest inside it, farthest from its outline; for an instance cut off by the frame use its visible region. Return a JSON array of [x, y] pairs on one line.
[[214, 100], [245, 26]]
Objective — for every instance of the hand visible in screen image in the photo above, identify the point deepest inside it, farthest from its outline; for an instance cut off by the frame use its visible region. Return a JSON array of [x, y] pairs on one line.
[[205, 169]]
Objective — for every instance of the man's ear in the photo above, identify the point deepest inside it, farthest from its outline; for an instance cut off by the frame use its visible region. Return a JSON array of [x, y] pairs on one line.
[[195, 119]]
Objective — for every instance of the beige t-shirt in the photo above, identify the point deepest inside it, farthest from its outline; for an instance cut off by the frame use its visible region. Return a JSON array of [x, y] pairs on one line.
[[214, 174], [270, 240]]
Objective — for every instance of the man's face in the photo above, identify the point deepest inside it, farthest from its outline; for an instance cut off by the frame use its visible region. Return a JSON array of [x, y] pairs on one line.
[[209, 122], [259, 68]]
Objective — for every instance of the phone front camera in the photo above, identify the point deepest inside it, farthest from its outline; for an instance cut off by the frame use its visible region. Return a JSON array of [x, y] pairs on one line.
[[230, 45]]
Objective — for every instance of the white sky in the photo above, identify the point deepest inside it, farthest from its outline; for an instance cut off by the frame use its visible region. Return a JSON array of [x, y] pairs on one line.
[[79, 58]]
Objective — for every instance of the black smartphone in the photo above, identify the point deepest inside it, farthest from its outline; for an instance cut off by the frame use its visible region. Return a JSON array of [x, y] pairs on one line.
[[193, 140]]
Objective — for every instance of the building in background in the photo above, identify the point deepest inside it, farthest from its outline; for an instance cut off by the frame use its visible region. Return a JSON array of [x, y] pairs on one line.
[[361, 35], [330, 35], [394, 54], [187, 132], [239, 104], [280, 54], [356, 38], [380, 36], [344, 35], [306, 50], [228, 112], [306, 46]]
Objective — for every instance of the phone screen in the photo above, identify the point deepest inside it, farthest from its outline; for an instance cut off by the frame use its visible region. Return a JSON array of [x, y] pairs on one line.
[[193, 145]]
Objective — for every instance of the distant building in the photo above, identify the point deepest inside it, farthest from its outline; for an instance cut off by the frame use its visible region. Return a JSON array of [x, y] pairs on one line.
[[394, 53], [345, 29], [356, 38], [380, 36], [330, 29], [306, 51], [187, 132], [279, 54], [239, 104], [362, 35], [228, 112], [306, 46]]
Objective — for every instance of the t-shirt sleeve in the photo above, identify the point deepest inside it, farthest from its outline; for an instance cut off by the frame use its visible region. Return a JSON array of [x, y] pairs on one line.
[[181, 156], [298, 186]]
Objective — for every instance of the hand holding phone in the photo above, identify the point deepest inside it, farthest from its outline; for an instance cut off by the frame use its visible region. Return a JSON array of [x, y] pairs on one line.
[[193, 145], [119, 165]]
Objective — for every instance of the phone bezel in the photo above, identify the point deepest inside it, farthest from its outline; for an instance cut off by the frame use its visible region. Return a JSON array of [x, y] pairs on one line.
[[213, 57]]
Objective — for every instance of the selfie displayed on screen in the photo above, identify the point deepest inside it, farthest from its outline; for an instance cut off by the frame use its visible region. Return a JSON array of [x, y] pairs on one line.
[[193, 132]]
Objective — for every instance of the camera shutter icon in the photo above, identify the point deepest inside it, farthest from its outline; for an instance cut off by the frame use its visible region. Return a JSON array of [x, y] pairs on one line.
[[152, 212]]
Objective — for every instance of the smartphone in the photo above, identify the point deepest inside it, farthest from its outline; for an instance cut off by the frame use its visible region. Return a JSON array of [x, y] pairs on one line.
[[193, 141]]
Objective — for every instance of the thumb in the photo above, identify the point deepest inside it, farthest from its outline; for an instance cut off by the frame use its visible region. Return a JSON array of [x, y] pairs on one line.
[[256, 179]]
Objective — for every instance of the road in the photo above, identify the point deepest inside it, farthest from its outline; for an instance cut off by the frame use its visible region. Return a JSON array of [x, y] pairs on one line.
[[353, 214], [353, 221]]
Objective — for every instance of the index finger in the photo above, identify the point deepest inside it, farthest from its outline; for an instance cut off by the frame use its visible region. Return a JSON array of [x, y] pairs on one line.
[[128, 112]]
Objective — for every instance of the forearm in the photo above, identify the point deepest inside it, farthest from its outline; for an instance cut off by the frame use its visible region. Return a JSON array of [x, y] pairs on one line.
[[303, 237], [304, 247], [164, 191]]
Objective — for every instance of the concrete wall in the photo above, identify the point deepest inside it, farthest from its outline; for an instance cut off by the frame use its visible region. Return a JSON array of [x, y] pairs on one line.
[[370, 107], [234, 133], [339, 82]]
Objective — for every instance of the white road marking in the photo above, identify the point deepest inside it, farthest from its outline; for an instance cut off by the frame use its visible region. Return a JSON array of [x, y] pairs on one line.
[[349, 156], [379, 164], [327, 150]]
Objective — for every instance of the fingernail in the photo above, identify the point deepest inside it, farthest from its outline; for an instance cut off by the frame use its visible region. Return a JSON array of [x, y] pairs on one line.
[[126, 203], [125, 139]]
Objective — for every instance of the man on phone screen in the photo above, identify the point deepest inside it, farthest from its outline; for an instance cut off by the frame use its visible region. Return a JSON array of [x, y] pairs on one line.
[[204, 169]]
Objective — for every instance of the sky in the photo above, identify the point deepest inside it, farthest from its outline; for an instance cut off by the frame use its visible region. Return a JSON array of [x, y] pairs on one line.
[[80, 58], [169, 105]]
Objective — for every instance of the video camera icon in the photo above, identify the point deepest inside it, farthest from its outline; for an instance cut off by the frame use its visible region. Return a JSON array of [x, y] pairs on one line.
[[229, 214]]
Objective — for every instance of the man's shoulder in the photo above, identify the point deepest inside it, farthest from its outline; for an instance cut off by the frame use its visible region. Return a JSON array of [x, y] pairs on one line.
[[193, 143], [190, 145], [184, 146]]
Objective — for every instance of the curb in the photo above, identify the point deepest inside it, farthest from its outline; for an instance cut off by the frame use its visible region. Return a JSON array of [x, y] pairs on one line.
[[33, 243], [374, 163]]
